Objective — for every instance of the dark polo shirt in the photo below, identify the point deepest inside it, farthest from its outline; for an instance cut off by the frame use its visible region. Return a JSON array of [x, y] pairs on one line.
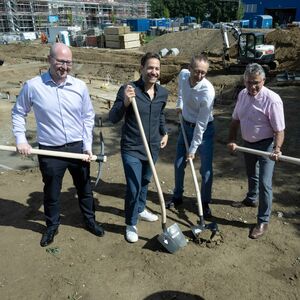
[[152, 116]]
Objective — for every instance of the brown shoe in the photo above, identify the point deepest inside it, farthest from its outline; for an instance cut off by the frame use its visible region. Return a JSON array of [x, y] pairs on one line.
[[258, 230]]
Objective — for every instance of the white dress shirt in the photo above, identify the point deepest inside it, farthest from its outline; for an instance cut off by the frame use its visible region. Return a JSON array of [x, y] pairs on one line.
[[63, 113], [196, 104]]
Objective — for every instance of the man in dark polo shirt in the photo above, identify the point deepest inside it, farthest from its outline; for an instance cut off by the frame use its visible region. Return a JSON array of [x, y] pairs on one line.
[[151, 100]]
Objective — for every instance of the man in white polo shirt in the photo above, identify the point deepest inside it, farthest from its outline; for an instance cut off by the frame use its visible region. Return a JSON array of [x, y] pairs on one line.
[[195, 101], [259, 113]]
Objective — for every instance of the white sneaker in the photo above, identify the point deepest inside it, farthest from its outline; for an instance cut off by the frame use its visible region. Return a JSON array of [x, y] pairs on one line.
[[148, 216], [131, 234]]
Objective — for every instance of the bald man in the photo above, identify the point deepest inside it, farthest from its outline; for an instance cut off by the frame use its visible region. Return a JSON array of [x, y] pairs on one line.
[[65, 119]]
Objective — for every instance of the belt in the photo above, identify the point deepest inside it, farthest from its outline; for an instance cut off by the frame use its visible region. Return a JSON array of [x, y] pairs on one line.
[[261, 141], [61, 146], [190, 124]]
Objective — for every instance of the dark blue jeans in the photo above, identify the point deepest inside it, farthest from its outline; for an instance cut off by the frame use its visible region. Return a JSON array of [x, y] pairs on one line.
[[205, 151], [53, 170], [260, 172], [138, 174]]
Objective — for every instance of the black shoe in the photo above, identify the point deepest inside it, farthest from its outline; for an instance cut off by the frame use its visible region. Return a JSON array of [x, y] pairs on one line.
[[95, 228], [48, 237], [245, 202], [207, 212], [173, 202]]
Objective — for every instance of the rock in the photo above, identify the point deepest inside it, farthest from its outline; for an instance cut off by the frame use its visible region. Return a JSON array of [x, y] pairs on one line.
[[279, 214]]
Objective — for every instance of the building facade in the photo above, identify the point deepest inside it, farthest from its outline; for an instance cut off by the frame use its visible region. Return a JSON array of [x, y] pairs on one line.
[[31, 15], [283, 12]]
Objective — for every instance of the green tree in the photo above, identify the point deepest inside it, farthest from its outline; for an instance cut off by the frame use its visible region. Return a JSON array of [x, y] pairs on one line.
[[157, 7], [166, 12], [214, 10], [69, 17], [240, 11]]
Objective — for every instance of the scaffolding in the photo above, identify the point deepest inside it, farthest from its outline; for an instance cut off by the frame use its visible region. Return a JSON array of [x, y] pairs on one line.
[[29, 15]]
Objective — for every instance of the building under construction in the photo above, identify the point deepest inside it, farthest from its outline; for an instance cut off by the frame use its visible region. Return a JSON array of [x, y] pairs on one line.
[[29, 15]]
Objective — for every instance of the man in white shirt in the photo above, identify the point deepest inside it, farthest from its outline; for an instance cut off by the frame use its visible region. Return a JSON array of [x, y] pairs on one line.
[[65, 119], [195, 101]]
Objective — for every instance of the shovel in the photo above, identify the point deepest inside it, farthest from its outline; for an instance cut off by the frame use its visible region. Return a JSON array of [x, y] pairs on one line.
[[197, 229], [285, 158], [172, 237]]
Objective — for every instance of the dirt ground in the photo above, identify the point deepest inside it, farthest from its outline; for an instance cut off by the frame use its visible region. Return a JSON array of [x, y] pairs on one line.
[[79, 265]]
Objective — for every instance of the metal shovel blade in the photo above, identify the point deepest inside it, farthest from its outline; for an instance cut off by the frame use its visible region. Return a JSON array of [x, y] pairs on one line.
[[206, 232], [172, 238]]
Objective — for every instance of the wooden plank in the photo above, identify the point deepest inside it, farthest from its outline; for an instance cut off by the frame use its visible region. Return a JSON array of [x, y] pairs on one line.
[[118, 30], [112, 37], [130, 44], [133, 36], [113, 44]]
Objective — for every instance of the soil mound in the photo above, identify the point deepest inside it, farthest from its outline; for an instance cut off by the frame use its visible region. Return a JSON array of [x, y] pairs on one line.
[[189, 42], [287, 45]]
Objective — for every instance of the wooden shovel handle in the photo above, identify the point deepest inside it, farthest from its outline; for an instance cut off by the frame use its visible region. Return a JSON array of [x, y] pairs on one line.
[[54, 153], [200, 209], [289, 159]]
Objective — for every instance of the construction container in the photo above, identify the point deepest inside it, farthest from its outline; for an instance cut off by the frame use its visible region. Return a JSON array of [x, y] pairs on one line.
[[264, 21], [140, 25], [163, 22], [261, 21], [244, 23]]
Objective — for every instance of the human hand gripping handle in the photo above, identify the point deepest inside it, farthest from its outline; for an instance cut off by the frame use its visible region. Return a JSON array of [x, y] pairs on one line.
[[232, 147], [129, 94], [89, 157], [24, 149]]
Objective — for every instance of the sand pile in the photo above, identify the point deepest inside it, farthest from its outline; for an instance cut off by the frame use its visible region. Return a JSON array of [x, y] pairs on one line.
[[287, 45], [189, 42]]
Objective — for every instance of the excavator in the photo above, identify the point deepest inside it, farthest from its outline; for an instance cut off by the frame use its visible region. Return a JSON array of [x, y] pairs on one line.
[[251, 49]]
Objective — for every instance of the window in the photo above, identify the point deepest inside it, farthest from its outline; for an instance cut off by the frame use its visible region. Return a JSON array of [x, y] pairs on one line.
[[250, 8]]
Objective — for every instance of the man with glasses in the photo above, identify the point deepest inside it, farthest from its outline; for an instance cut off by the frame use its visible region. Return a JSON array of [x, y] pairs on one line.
[[65, 119], [195, 102], [259, 113]]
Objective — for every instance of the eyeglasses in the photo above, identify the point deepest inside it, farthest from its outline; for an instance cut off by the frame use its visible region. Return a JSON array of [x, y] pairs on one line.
[[256, 83], [61, 62]]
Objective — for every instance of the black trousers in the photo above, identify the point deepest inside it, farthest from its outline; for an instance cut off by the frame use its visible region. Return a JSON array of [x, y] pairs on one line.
[[53, 170]]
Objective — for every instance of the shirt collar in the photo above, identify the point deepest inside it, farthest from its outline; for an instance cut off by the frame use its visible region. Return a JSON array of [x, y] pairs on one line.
[[259, 95], [47, 78]]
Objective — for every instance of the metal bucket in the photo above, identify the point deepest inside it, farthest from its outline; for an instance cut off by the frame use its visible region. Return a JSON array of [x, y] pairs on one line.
[[172, 238]]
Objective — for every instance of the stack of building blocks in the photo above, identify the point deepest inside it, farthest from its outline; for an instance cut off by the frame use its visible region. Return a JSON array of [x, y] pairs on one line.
[[121, 38]]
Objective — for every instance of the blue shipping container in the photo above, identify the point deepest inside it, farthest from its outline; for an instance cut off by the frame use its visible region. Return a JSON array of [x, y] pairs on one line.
[[264, 21], [253, 22], [140, 25], [160, 22]]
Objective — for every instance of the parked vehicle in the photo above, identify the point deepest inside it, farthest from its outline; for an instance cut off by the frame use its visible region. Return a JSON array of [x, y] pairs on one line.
[[251, 49]]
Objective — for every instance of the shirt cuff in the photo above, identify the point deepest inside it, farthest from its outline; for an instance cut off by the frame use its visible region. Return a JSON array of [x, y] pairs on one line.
[[21, 139]]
